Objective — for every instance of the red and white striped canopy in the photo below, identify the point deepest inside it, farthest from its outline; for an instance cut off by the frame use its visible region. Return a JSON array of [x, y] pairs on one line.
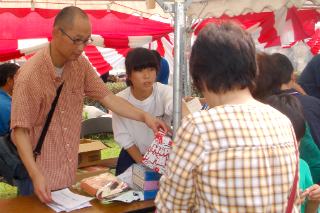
[[283, 27], [113, 33], [105, 59], [314, 43]]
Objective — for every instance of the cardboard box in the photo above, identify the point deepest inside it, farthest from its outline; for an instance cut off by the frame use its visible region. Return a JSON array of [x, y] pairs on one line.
[[90, 171], [148, 195], [145, 173], [90, 152], [145, 185]]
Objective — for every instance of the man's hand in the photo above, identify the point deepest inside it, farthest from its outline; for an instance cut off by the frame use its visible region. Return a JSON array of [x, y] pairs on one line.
[[42, 189], [155, 124], [40, 184]]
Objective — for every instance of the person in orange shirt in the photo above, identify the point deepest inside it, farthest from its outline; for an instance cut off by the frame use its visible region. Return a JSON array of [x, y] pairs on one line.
[[35, 88]]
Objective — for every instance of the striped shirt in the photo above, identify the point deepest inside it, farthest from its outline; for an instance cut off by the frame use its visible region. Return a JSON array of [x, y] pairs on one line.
[[232, 158], [35, 88]]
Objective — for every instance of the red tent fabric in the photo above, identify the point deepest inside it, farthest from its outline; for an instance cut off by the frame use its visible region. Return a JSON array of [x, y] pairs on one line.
[[314, 43], [282, 27], [115, 30], [107, 28]]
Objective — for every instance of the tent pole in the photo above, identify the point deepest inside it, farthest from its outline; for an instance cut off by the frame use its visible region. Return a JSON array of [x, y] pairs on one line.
[[178, 64], [185, 70]]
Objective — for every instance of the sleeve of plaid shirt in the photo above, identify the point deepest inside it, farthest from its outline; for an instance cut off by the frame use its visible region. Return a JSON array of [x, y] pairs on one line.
[[177, 189]]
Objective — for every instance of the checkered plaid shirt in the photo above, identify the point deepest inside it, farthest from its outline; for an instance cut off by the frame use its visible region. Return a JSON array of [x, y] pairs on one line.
[[233, 158]]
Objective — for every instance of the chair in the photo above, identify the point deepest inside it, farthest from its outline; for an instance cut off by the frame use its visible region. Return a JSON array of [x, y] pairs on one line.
[[99, 125]]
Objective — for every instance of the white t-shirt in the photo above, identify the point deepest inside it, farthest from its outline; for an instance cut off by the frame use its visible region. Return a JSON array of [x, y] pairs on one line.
[[59, 71], [128, 132]]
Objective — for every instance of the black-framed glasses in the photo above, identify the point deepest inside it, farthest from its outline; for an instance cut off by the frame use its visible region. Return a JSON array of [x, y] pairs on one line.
[[78, 41]]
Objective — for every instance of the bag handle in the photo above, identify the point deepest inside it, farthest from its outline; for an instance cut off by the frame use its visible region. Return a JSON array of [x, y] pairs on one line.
[[37, 150], [295, 181]]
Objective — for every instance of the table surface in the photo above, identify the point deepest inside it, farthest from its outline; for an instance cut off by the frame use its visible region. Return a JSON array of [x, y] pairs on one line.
[[32, 204]]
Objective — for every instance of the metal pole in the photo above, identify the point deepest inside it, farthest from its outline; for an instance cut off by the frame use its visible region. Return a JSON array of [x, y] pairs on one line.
[[178, 48], [185, 48]]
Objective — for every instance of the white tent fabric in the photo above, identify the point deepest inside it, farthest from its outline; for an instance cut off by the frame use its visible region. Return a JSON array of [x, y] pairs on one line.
[[214, 7], [217, 8], [128, 7]]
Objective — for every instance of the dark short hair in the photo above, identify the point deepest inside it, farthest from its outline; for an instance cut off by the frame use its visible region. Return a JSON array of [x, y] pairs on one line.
[[285, 66], [158, 56], [293, 109], [268, 82], [7, 71], [223, 58], [140, 58], [65, 17]]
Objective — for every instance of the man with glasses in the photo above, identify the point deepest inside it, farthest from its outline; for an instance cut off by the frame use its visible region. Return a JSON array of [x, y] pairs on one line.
[[36, 84]]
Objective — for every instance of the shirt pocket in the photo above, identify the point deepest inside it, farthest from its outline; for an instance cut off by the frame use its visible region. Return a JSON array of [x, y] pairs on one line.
[[74, 99]]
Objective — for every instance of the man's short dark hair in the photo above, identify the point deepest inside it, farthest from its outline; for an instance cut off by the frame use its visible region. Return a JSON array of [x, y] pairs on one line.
[[285, 66], [293, 109], [140, 58], [223, 58], [7, 71], [65, 17], [268, 82]]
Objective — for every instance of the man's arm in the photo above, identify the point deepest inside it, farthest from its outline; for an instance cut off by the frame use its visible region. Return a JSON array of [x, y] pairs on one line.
[[41, 186], [127, 110]]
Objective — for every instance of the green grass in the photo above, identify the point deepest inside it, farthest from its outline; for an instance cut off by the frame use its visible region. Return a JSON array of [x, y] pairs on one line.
[[112, 152], [7, 191]]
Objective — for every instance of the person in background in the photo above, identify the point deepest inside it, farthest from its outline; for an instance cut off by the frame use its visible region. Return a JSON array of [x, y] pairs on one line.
[[35, 88], [292, 108], [309, 79], [238, 156], [309, 146], [163, 75], [145, 93], [268, 82], [7, 73]]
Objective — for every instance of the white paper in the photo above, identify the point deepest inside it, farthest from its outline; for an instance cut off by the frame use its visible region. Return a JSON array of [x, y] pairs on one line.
[[65, 200], [194, 105], [126, 176], [130, 196], [59, 208]]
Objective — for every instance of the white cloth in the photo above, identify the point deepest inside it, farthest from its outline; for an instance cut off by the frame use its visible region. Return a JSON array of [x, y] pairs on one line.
[[93, 112], [128, 132], [59, 71]]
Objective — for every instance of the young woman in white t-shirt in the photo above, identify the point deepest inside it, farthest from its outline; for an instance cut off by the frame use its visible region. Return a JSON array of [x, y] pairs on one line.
[[145, 93]]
